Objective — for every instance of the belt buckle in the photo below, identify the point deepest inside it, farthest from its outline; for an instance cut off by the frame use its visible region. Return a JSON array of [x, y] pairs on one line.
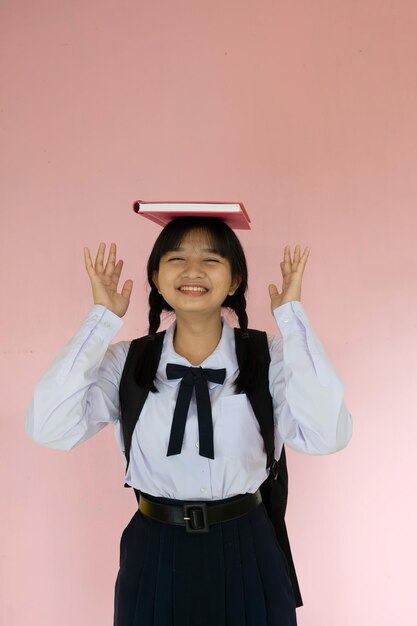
[[195, 516]]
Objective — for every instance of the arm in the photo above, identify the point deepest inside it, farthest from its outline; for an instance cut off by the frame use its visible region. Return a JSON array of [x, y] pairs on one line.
[[310, 413], [79, 392], [309, 409]]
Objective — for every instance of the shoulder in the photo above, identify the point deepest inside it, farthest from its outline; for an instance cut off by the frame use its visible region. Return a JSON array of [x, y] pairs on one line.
[[116, 355], [274, 341], [275, 346]]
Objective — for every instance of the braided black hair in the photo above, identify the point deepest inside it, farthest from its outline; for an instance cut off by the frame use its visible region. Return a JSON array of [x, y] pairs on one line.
[[227, 245]]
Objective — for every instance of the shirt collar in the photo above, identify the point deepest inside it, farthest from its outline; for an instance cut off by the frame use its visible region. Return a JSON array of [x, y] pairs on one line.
[[224, 355]]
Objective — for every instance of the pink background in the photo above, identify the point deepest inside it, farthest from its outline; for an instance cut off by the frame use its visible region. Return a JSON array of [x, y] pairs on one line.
[[306, 112]]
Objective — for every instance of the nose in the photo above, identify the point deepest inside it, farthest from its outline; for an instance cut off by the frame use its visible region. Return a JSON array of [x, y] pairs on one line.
[[193, 269]]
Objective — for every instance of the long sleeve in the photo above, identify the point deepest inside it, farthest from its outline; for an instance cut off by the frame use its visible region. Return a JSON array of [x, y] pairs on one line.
[[308, 395], [78, 395]]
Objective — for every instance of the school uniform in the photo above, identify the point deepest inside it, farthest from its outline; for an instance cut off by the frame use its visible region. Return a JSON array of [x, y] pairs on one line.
[[236, 573]]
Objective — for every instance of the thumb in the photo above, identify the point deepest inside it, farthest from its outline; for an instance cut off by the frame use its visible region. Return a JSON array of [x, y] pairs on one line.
[[273, 290]]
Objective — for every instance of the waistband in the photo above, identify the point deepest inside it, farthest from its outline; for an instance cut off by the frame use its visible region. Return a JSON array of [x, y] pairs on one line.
[[198, 515]]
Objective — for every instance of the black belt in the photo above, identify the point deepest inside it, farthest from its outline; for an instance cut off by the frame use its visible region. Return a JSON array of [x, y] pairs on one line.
[[197, 516]]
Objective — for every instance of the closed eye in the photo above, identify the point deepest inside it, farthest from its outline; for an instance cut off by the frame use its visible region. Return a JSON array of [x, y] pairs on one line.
[[178, 258]]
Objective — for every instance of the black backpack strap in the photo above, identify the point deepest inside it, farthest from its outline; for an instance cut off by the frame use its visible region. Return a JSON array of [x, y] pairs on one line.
[[260, 398], [274, 496], [132, 395], [274, 489]]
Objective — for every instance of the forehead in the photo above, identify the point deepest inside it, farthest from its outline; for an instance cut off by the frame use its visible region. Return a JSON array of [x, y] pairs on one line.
[[198, 241]]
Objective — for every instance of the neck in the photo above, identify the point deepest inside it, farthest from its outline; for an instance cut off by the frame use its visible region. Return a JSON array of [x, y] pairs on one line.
[[197, 338]]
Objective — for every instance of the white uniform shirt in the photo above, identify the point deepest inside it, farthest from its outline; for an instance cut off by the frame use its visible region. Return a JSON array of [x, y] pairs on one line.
[[79, 394]]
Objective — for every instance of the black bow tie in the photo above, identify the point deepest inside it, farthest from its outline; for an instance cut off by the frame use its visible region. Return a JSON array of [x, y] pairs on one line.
[[193, 377]]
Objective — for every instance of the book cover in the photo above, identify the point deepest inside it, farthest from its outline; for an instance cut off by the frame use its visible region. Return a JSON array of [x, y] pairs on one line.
[[233, 213]]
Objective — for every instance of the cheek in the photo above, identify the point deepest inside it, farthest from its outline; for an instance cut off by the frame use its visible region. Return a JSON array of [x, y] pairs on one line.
[[162, 280], [166, 288]]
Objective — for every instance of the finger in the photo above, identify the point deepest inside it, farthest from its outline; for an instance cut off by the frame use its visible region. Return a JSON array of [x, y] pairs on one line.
[[273, 291], [98, 266], [304, 258], [301, 266], [111, 261], [286, 275], [296, 257], [117, 271], [127, 289], [287, 259], [88, 262]]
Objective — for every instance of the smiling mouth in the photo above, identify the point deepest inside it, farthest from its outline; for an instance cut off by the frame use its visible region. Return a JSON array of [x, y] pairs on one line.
[[192, 290]]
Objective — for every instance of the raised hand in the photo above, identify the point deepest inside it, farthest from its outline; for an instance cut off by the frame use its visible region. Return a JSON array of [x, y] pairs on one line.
[[292, 276], [104, 280]]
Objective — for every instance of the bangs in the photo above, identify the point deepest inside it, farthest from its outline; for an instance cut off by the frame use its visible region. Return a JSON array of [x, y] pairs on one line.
[[215, 243], [211, 229]]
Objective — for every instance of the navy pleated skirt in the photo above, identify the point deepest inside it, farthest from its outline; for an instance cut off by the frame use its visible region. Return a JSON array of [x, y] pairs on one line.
[[234, 575]]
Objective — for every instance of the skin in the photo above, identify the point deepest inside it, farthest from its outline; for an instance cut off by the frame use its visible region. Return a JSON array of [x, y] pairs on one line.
[[198, 317]]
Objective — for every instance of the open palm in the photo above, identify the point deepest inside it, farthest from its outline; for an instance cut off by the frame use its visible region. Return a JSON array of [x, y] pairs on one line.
[[292, 275], [105, 279]]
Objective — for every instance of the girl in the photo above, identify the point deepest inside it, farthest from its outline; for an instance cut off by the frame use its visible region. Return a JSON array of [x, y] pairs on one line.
[[201, 549]]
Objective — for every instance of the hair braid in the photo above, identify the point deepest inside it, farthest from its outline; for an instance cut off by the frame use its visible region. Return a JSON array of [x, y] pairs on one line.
[[156, 305], [240, 310], [146, 368], [247, 378]]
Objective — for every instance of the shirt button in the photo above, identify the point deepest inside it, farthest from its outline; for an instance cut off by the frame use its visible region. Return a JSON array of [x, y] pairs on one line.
[[197, 445], [94, 317], [203, 489], [285, 320], [107, 324]]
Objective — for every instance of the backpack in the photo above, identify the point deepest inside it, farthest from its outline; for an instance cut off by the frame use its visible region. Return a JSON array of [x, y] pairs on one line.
[[274, 489]]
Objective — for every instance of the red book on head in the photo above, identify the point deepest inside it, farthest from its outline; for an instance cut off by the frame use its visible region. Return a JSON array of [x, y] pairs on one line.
[[233, 213]]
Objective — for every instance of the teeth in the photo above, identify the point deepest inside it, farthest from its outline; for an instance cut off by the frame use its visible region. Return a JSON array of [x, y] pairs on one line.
[[192, 289]]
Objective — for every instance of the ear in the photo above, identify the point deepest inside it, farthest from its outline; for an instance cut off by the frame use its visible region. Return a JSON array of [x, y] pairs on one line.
[[155, 280], [235, 284]]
